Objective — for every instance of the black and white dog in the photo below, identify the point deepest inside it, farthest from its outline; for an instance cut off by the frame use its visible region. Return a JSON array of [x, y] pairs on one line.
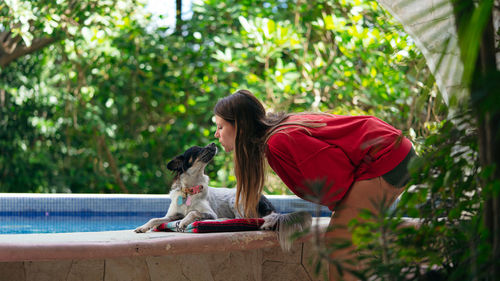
[[192, 199]]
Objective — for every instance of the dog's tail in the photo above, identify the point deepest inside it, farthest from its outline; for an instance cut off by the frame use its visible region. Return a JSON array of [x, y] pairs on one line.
[[286, 225]]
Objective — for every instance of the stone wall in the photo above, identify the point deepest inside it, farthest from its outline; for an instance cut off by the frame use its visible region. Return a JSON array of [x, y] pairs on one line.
[[265, 264]]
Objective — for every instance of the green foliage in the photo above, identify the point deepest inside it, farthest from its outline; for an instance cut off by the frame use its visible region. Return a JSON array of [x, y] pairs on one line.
[[446, 238], [104, 107], [340, 57], [106, 98]]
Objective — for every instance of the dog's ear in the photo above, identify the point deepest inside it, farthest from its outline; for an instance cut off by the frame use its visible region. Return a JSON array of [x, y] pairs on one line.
[[176, 164]]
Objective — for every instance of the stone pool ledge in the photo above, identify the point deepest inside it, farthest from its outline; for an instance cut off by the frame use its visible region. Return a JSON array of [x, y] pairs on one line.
[[125, 255], [126, 243]]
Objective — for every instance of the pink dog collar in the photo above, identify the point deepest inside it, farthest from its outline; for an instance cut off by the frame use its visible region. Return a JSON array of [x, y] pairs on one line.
[[186, 194], [193, 190]]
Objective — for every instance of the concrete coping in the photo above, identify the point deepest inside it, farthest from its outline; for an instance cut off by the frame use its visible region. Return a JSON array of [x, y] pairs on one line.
[[127, 243]]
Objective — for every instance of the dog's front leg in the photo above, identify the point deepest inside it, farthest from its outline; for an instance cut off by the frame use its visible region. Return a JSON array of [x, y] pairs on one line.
[[189, 218], [195, 216], [152, 223]]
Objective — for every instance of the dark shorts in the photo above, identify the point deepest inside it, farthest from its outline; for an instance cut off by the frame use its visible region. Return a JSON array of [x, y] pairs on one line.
[[399, 176]]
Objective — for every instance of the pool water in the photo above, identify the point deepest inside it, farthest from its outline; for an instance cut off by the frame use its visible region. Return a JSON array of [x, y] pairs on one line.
[[61, 213], [62, 223]]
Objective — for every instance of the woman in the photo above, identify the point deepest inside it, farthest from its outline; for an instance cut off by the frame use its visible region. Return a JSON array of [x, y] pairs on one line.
[[357, 159]]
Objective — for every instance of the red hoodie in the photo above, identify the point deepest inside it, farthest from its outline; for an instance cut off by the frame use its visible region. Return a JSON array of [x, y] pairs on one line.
[[347, 149]]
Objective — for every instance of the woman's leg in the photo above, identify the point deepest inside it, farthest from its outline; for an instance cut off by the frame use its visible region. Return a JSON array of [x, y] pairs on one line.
[[361, 196]]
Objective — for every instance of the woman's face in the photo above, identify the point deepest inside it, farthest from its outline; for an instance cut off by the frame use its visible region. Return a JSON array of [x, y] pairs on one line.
[[226, 133]]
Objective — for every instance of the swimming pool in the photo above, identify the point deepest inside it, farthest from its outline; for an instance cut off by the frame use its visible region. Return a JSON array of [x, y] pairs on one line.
[[70, 222], [78, 237], [63, 213]]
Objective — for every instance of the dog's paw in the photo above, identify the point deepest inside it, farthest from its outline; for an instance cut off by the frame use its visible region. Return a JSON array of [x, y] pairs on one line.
[[270, 221], [182, 225], [141, 229]]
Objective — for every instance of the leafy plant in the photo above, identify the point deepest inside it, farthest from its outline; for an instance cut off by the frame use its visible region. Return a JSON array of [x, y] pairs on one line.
[[112, 97], [446, 201]]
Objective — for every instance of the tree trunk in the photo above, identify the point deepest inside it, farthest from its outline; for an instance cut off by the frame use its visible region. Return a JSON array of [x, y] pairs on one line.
[[112, 164], [485, 102], [178, 16], [484, 85]]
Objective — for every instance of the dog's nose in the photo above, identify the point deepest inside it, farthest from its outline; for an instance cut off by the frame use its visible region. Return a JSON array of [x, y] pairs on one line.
[[213, 147]]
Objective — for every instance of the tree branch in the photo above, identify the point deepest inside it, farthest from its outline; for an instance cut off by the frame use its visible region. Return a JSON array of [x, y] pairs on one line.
[[20, 50], [7, 43], [112, 164], [178, 16]]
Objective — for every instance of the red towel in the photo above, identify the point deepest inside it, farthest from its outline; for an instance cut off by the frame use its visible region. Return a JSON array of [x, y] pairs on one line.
[[206, 226]]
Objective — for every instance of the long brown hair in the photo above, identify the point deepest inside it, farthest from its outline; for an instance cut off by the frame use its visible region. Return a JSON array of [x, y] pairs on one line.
[[253, 128]]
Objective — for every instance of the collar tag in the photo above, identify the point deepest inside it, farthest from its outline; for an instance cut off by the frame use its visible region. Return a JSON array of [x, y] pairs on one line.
[[180, 200]]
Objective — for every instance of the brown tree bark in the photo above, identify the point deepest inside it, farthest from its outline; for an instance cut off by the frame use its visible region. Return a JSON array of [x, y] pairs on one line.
[[178, 16], [485, 99], [112, 164], [484, 85], [11, 49]]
